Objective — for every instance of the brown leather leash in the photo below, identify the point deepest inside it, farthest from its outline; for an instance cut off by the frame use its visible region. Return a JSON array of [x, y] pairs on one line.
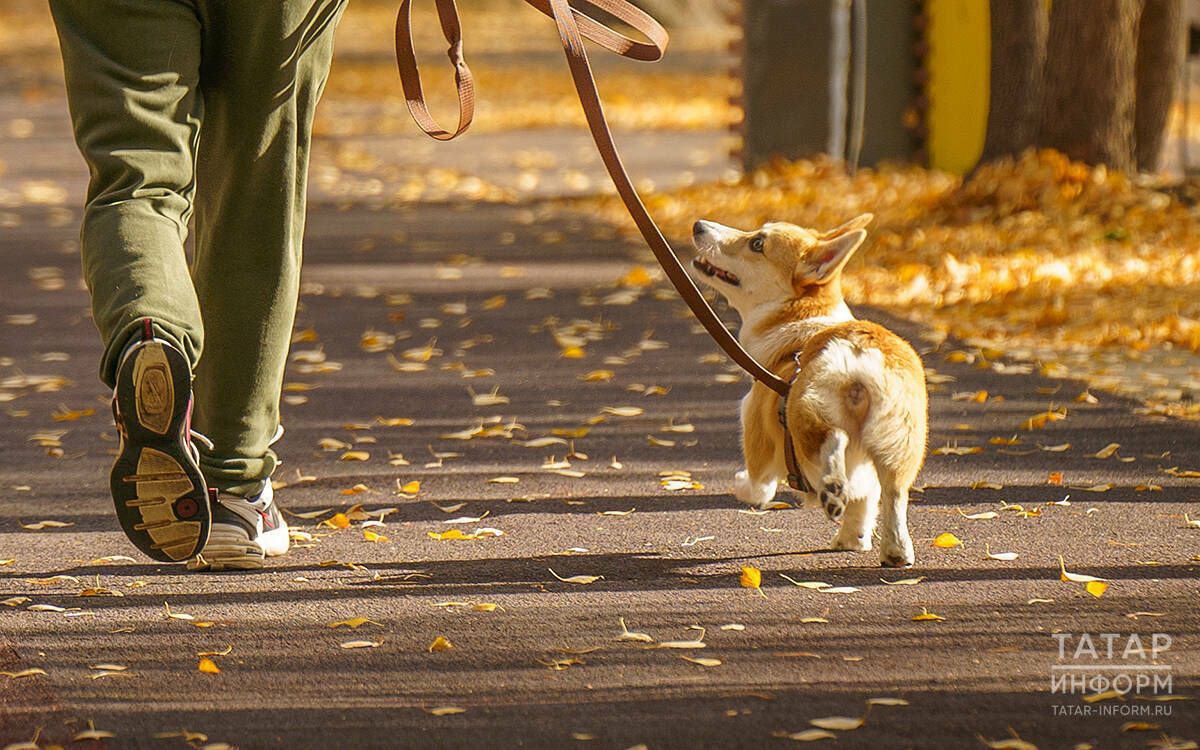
[[795, 477], [573, 27]]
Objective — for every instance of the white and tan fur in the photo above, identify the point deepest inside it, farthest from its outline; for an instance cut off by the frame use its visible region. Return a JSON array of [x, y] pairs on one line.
[[857, 412]]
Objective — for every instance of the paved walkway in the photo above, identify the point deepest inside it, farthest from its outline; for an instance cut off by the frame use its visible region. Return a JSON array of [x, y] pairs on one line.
[[480, 289]]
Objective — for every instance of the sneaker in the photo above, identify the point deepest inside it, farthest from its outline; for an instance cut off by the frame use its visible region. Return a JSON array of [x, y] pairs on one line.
[[244, 531], [160, 495]]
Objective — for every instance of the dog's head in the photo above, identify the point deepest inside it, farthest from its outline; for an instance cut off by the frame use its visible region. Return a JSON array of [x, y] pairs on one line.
[[775, 263]]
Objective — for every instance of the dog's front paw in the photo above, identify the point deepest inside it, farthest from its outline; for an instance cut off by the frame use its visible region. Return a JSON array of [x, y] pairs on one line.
[[896, 553], [833, 499], [758, 494]]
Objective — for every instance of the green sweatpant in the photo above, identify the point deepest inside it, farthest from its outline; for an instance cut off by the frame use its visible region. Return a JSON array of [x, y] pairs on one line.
[[204, 106]]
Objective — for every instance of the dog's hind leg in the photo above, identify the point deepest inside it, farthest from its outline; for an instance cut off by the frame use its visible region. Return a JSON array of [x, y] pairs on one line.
[[857, 524], [832, 491], [895, 545]]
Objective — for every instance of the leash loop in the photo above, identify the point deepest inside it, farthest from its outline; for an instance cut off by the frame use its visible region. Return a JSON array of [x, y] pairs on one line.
[[410, 74], [573, 27], [595, 31]]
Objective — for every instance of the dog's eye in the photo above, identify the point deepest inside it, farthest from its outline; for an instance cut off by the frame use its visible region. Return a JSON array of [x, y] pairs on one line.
[[757, 242]]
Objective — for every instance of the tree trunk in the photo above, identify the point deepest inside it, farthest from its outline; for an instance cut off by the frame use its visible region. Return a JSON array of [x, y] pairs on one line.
[[1159, 55], [1018, 34], [1088, 96]]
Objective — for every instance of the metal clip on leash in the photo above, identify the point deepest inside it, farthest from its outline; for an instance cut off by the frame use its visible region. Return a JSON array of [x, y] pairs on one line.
[[573, 27]]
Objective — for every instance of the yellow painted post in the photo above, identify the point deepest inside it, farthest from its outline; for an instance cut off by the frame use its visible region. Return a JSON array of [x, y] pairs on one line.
[[959, 48]]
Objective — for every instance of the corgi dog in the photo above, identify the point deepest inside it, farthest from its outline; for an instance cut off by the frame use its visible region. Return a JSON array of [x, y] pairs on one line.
[[857, 412]]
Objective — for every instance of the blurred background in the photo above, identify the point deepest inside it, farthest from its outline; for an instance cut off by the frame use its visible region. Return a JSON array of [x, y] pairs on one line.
[[1030, 164]]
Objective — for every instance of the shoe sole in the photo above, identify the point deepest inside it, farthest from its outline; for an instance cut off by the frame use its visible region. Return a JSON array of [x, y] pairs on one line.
[[159, 492]]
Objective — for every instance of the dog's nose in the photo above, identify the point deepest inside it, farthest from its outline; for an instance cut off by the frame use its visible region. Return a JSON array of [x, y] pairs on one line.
[[698, 228]]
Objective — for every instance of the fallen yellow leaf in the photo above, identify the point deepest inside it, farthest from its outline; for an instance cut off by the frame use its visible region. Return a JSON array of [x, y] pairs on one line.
[[751, 578], [1039, 421], [173, 615], [623, 411], [636, 277], [395, 421], [563, 432], [453, 535], [947, 541], [1096, 588], [581, 580], [47, 525], [808, 735], [208, 666], [955, 450], [1073, 577], [336, 521], [984, 516], [841, 723], [629, 635], [1012, 743], [488, 399], [64, 414], [806, 584], [92, 733], [353, 623], [702, 661]]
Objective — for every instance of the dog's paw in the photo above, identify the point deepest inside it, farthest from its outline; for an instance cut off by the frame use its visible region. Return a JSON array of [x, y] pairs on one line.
[[753, 493], [833, 499], [850, 542], [896, 553]]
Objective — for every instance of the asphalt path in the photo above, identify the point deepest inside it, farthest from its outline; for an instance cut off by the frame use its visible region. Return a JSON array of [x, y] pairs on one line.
[[481, 289]]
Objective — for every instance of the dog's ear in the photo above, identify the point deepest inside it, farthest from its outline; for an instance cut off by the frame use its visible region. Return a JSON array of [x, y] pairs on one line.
[[829, 256], [858, 222]]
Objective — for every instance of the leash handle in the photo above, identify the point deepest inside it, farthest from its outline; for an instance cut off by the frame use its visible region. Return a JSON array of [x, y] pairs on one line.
[[595, 31], [573, 27], [410, 74]]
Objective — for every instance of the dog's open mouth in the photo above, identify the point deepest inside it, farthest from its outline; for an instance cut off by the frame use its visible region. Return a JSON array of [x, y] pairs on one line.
[[708, 269]]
